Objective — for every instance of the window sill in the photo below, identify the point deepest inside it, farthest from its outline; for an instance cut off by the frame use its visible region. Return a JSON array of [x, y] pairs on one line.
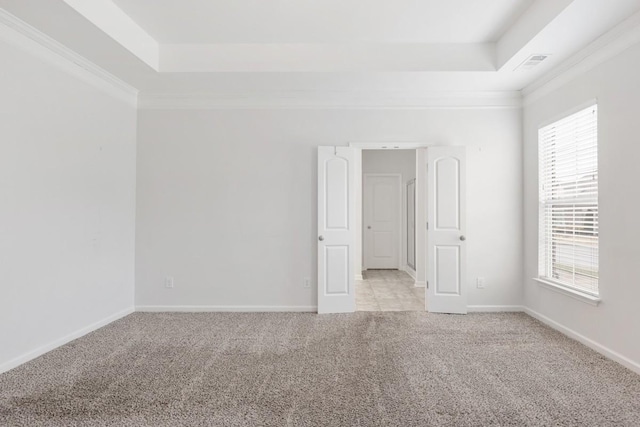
[[575, 294]]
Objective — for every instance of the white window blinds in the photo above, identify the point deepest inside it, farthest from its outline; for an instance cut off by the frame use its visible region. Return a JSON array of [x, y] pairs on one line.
[[568, 180]]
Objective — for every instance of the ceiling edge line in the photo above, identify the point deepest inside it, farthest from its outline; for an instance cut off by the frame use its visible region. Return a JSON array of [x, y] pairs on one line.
[[610, 44], [25, 37]]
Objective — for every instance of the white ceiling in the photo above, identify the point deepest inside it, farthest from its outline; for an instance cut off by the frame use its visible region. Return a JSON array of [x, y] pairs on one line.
[[324, 21], [246, 48]]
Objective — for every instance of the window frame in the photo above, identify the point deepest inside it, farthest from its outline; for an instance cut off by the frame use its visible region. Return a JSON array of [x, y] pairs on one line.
[[575, 292]]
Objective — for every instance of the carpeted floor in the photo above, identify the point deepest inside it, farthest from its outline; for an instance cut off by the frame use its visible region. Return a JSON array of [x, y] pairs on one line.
[[294, 369]]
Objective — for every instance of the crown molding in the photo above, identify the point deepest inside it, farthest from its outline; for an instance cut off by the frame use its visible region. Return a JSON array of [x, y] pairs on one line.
[[22, 35], [373, 100], [607, 46]]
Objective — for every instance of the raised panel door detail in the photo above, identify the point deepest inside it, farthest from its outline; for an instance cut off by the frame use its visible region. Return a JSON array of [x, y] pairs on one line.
[[337, 194], [446, 240], [337, 270], [383, 197], [447, 197], [447, 270], [336, 233], [383, 244]]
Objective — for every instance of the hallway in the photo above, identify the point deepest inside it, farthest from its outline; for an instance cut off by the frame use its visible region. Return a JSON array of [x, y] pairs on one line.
[[388, 290]]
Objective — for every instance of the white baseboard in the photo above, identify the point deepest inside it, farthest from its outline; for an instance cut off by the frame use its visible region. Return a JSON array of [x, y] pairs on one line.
[[494, 308], [359, 277], [605, 351], [62, 341], [410, 271], [226, 308], [420, 284]]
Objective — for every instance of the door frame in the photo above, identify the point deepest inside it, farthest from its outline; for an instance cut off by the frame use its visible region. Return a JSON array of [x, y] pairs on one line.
[[399, 222], [422, 210], [421, 200]]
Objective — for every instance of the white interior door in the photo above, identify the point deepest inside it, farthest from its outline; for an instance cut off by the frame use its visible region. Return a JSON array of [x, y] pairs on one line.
[[336, 229], [381, 212], [446, 246]]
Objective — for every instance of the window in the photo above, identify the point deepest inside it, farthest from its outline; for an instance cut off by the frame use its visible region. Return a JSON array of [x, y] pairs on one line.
[[568, 180]]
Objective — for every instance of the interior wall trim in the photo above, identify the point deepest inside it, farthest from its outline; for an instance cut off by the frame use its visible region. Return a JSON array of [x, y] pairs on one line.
[[226, 308], [494, 308], [62, 341], [410, 271], [18, 33], [605, 351]]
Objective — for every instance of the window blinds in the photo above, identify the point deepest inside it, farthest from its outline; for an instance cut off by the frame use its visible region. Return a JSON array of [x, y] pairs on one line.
[[568, 180]]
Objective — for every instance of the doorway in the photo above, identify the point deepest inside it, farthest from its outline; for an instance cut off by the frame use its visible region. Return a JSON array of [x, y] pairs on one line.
[[440, 227], [388, 263], [388, 290]]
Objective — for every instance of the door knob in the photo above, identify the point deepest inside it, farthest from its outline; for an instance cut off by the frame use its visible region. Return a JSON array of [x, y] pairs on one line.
[[463, 238], [321, 238]]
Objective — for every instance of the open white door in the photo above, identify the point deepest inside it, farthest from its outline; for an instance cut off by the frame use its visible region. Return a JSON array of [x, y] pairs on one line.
[[446, 248], [336, 229]]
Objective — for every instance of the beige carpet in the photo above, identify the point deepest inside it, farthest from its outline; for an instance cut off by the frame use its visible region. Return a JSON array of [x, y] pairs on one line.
[[292, 369]]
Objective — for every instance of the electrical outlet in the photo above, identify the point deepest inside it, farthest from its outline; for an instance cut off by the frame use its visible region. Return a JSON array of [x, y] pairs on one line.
[[168, 282], [307, 282], [480, 283]]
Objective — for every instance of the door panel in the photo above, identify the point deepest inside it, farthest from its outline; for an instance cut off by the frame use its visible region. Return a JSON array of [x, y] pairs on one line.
[[381, 212], [337, 270], [382, 244], [447, 270], [336, 196], [336, 229], [383, 195], [447, 188], [446, 247]]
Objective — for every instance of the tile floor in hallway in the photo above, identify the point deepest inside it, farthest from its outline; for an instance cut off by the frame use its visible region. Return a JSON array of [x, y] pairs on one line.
[[388, 290]]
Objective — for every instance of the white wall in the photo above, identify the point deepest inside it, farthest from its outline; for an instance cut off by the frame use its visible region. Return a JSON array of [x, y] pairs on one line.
[[616, 322], [401, 162], [390, 161], [227, 199], [67, 214]]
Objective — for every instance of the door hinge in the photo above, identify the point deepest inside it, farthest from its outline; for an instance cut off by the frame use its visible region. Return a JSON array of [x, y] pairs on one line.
[[427, 284], [427, 225]]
